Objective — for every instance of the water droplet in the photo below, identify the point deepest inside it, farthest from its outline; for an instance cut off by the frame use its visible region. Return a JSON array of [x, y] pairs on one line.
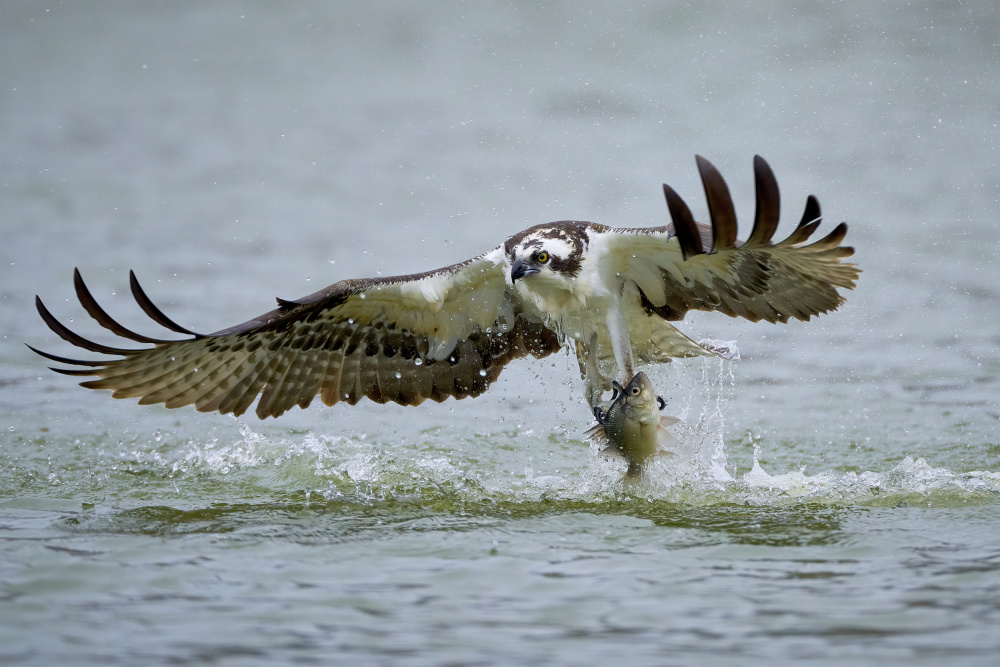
[[398, 375], [482, 372], [418, 361]]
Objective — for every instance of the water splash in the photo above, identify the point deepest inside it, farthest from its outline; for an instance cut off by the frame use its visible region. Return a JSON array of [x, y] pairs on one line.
[[530, 464], [535, 459], [702, 453], [253, 450], [911, 481]]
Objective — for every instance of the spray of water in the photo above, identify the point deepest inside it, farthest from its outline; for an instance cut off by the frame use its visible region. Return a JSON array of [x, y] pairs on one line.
[[528, 460]]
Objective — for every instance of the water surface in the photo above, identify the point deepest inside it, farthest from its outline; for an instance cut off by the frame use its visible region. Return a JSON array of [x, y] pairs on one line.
[[839, 490]]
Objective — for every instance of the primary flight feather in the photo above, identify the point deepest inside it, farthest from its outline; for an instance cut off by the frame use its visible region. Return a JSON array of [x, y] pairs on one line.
[[609, 292]]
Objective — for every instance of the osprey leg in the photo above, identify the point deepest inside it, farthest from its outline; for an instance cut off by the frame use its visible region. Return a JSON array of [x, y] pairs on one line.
[[621, 345], [594, 382]]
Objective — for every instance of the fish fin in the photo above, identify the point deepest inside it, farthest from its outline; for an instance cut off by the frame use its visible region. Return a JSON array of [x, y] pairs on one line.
[[635, 477], [669, 421], [665, 439], [597, 434], [611, 452]]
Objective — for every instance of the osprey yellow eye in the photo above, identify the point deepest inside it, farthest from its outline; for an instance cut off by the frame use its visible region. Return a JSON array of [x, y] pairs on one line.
[[542, 257]]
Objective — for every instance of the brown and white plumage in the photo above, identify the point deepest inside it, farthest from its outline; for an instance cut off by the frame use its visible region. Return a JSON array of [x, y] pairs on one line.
[[451, 331]]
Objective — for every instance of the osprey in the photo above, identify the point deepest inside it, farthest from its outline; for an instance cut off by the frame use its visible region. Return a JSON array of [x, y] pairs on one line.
[[611, 293]]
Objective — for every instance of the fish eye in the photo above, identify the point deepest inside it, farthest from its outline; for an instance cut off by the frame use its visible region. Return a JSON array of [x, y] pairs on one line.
[[635, 391], [542, 257]]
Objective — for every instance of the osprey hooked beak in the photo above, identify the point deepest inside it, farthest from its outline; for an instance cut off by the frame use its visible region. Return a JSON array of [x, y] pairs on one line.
[[519, 270]]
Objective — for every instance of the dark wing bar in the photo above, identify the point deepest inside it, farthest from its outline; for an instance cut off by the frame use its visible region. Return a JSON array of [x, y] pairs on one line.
[[722, 215], [64, 360], [101, 316], [94, 310], [765, 221], [720, 205], [74, 338], [155, 313], [684, 225]]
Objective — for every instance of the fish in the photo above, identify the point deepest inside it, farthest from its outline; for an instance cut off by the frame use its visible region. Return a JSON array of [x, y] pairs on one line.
[[632, 427]]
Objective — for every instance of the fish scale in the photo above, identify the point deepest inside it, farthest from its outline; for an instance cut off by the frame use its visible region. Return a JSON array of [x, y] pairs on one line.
[[631, 427]]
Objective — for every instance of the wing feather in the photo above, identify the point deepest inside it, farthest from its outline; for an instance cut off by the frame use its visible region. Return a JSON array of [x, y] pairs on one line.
[[349, 389], [150, 309], [765, 221], [93, 309], [440, 334], [720, 205], [450, 332], [756, 280]]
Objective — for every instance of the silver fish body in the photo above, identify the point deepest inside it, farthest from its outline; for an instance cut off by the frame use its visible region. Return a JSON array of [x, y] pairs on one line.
[[632, 427]]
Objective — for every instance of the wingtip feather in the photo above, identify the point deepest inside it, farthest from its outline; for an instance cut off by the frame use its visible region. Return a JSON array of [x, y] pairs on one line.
[[101, 316], [152, 311], [684, 225], [720, 205], [768, 207]]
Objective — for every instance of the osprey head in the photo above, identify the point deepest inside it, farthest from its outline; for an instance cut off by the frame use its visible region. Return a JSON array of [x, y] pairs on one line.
[[549, 253]]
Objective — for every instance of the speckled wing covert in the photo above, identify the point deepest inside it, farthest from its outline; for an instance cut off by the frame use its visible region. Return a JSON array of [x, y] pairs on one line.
[[690, 266], [404, 339]]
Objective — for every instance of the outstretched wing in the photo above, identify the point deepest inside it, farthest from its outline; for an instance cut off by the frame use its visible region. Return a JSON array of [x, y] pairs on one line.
[[403, 339], [689, 266]]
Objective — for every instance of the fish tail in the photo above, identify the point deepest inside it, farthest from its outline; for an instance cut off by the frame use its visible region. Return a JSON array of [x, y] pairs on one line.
[[635, 474]]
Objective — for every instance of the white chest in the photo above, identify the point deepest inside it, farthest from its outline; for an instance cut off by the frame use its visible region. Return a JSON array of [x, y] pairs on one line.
[[575, 309]]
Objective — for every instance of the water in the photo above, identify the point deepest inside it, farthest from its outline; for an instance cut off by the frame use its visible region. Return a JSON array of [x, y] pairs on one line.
[[839, 492]]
